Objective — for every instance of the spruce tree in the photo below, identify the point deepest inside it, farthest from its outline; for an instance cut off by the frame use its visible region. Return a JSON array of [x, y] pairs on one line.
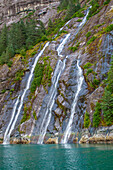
[[107, 101], [87, 121], [96, 115]]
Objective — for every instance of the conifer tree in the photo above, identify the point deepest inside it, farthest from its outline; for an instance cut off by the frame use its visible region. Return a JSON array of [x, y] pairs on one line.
[[87, 121], [96, 115]]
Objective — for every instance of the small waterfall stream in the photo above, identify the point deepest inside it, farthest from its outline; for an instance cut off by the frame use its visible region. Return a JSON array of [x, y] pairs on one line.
[[17, 108], [53, 91], [80, 79]]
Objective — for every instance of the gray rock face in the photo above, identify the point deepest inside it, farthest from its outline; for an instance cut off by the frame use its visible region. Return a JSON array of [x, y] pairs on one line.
[[67, 86]]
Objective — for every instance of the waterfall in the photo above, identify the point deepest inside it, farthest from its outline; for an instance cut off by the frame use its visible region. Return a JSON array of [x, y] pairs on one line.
[[80, 79], [53, 91], [17, 108]]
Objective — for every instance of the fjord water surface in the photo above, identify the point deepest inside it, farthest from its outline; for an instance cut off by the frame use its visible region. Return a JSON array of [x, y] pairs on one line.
[[56, 157]]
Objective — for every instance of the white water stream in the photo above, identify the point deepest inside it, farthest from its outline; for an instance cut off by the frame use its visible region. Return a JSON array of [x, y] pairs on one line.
[[53, 91], [15, 114], [80, 79]]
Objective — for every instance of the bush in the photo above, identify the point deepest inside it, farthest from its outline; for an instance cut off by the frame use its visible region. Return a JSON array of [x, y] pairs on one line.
[[107, 2], [33, 53], [109, 28], [38, 75], [91, 40], [96, 82], [90, 70], [34, 115], [79, 20], [73, 49], [88, 34], [96, 115], [87, 65], [87, 121]]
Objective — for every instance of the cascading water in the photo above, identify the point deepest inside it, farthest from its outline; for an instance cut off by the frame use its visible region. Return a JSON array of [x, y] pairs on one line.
[[80, 79], [15, 115], [53, 92]]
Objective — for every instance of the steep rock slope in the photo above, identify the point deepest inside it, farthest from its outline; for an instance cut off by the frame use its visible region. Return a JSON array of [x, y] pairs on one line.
[[98, 53]]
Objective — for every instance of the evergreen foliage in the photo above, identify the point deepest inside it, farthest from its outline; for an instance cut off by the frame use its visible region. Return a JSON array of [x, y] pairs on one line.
[[96, 115], [71, 6], [87, 121], [20, 37], [107, 102], [38, 75]]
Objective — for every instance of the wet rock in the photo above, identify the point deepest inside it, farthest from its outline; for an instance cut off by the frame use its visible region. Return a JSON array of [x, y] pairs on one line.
[[75, 140], [84, 139], [66, 105], [52, 141], [57, 124], [21, 140], [93, 98], [26, 127], [60, 99], [58, 112]]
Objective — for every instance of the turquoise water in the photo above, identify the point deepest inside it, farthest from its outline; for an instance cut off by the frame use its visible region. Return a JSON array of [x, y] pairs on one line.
[[56, 157]]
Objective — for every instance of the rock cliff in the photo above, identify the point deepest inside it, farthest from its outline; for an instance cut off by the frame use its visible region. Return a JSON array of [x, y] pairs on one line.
[[98, 53]]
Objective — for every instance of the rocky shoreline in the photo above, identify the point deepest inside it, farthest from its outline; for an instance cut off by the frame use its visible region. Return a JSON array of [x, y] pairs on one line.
[[102, 135]]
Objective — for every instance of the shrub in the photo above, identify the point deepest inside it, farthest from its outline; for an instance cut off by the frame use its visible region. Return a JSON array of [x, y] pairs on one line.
[[96, 82], [109, 28], [96, 115], [107, 2], [88, 34], [25, 116], [38, 74], [87, 65], [33, 53], [91, 40], [79, 20], [90, 70], [34, 115], [73, 49], [87, 121]]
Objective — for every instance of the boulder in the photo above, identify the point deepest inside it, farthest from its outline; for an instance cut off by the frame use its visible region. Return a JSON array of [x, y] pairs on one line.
[[52, 141], [75, 140], [84, 139], [21, 140]]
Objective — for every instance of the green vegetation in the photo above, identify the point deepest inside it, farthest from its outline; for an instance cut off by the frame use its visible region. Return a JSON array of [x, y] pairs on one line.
[[107, 100], [38, 75], [72, 6], [88, 34], [26, 116], [79, 20], [93, 38], [19, 74], [19, 38], [107, 2], [34, 115], [97, 115], [87, 65], [74, 48], [87, 121], [90, 70], [42, 74], [109, 28]]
